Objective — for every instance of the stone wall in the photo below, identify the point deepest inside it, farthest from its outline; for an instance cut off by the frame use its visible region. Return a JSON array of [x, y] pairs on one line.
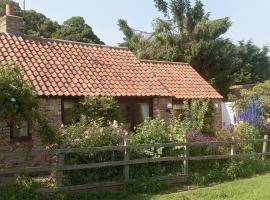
[[160, 107]]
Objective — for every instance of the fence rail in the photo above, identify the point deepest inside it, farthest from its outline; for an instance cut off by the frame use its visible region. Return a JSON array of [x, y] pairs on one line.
[[60, 166]]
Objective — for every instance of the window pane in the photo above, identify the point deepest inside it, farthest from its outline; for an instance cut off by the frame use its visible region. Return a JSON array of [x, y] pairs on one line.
[[21, 131], [24, 130], [68, 106], [127, 113], [142, 112]]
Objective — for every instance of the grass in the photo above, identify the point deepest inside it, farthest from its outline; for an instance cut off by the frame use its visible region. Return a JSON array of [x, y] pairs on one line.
[[245, 189]]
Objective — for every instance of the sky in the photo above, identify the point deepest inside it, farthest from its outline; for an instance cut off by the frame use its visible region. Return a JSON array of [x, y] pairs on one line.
[[250, 19]]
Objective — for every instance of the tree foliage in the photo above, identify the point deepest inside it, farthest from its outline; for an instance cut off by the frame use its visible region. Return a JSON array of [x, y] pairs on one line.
[[262, 91], [75, 29], [17, 100], [253, 63], [37, 24], [190, 35], [19, 103]]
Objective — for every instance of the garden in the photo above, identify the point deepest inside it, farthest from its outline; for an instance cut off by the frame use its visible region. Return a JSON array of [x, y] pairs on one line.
[[99, 122]]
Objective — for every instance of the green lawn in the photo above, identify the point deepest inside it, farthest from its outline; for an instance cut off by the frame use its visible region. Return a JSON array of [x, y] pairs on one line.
[[246, 189]]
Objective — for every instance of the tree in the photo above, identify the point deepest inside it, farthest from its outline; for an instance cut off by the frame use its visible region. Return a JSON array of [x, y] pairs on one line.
[[75, 29], [253, 64], [188, 35], [38, 24]]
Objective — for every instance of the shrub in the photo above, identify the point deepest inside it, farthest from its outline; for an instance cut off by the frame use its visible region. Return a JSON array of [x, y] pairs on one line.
[[224, 170], [145, 185], [197, 113], [17, 99], [92, 134], [262, 92], [248, 131], [151, 131], [102, 109], [19, 103]]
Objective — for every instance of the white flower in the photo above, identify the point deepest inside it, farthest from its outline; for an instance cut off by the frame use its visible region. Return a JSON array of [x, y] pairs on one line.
[[13, 99], [115, 124]]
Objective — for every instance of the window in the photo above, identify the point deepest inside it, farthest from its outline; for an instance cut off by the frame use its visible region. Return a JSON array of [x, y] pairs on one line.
[[21, 132], [142, 112], [136, 111], [67, 110]]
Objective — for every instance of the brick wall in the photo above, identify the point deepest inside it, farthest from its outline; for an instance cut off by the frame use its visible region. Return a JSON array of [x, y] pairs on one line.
[[52, 108], [11, 24], [160, 107]]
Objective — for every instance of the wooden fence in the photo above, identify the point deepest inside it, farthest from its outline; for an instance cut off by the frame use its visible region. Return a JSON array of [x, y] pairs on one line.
[[60, 166]]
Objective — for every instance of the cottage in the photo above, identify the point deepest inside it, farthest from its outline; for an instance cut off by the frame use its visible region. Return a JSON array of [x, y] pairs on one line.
[[61, 72]]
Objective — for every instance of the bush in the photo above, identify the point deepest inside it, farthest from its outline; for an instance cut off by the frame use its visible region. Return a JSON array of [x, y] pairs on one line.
[[215, 171], [248, 131], [145, 185], [262, 92], [93, 134], [151, 132], [17, 99], [102, 109]]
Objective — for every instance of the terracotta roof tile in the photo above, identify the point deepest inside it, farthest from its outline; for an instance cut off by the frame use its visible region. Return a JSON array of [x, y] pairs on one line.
[[181, 80], [64, 68]]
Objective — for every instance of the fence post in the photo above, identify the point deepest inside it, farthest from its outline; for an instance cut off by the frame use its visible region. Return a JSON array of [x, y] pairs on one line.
[[186, 155], [264, 150], [126, 157], [59, 171], [233, 147]]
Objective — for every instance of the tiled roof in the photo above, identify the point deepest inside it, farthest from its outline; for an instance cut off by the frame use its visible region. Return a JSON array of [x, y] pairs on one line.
[[181, 80], [64, 68]]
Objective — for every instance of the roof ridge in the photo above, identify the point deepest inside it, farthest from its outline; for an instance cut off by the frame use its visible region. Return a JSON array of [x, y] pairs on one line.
[[65, 41], [165, 62]]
